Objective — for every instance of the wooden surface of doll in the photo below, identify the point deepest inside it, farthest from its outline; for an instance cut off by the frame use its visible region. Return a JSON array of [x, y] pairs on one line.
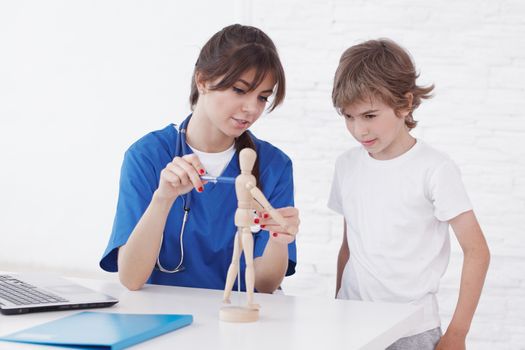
[[249, 198]]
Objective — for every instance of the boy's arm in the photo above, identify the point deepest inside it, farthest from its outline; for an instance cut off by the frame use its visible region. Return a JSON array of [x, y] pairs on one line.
[[475, 264], [342, 258]]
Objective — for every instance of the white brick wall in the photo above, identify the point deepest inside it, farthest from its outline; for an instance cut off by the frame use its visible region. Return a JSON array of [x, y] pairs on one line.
[[474, 52]]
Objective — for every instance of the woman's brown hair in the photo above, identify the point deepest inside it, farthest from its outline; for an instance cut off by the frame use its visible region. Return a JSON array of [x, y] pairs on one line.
[[230, 53], [382, 69]]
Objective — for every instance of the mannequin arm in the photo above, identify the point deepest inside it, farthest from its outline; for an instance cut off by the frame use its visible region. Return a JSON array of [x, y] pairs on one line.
[[263, 202], [257, 206]]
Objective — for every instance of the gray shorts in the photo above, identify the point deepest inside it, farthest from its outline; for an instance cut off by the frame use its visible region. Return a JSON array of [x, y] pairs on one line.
[[422, 341]]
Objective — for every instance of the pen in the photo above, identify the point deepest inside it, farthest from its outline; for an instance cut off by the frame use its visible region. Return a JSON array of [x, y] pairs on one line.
[[220, 179]]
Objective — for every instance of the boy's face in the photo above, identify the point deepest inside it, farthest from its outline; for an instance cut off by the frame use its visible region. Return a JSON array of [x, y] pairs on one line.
[[377, 127]]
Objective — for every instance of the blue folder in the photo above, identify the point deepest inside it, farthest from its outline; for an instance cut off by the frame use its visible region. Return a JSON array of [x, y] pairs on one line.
[[100, 330]]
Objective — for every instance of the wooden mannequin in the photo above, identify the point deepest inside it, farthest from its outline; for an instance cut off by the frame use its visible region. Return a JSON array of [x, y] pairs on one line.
[[249, 197]]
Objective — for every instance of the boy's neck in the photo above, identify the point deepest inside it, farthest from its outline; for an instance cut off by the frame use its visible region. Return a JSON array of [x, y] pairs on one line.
[[397, 148]]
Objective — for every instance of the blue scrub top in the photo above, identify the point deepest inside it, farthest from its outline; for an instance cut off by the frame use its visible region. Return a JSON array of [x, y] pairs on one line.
[[210, 230]]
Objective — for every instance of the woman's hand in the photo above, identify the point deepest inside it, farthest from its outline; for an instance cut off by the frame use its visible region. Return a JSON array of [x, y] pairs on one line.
[[277, 232], [180, 176]]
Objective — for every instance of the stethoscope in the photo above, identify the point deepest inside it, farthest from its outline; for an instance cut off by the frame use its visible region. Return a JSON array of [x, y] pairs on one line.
[[180, 150]]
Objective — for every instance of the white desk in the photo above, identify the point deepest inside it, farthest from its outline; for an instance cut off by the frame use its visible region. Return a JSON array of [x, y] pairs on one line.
[[286, 322]]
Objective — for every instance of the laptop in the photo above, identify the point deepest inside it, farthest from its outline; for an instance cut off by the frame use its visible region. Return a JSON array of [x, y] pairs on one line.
[[24, 293]]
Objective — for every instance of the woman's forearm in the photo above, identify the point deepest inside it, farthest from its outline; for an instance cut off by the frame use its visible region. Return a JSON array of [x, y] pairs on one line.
[[137, 258], [271, 267]]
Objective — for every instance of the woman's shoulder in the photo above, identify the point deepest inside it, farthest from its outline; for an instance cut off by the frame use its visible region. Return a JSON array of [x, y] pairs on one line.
[[155, 149], [165, 138]]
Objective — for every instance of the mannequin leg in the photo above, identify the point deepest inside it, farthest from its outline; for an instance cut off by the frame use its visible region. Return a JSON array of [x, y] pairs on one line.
[[247, 243], [234, 267]]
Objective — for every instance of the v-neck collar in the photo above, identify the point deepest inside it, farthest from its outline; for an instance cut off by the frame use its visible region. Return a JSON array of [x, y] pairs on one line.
[[231, 170]]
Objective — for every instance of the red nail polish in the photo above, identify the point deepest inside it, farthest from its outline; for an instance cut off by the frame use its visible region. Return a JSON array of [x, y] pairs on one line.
[[275, 234], [266, 216], [201, 171], [200, 189], [256, 220], [263, 226]]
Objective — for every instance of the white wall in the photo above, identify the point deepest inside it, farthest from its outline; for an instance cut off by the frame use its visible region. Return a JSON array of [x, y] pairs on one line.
[[79, 81], [474, 51]]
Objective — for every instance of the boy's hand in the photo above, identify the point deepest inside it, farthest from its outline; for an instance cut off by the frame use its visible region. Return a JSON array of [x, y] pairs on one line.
[[451, 341]]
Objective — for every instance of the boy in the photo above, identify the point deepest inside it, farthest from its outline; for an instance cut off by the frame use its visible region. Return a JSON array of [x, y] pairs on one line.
[[398, 197]]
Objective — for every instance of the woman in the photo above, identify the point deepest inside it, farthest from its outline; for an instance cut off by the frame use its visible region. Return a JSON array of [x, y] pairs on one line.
[[236, 73]]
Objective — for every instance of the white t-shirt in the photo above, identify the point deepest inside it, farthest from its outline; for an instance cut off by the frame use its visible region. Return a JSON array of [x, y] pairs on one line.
[[397, 214], [215, 163]]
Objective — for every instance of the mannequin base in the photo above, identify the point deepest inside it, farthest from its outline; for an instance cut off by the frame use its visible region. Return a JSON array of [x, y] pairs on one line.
[[238, 314]]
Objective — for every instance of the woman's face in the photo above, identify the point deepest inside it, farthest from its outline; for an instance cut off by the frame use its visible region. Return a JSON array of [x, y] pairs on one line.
[[235, 109]]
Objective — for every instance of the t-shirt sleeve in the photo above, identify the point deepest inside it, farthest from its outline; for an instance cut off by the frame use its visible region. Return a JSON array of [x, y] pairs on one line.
[[448, 193], [335, 201], [138, 181], [281, 196]]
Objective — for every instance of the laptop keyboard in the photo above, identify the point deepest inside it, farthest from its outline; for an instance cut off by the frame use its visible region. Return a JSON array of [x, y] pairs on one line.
[[21, 293]]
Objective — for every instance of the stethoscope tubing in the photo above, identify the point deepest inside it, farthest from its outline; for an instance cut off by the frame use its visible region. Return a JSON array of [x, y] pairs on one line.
[[186, 201]]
